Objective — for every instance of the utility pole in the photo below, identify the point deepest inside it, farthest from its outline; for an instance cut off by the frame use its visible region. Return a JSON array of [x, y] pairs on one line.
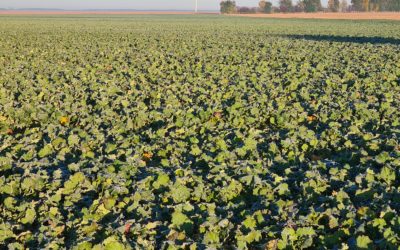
[[196, 7]]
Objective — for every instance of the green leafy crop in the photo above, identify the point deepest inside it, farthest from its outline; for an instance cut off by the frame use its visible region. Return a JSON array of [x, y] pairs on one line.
[[199, 132]]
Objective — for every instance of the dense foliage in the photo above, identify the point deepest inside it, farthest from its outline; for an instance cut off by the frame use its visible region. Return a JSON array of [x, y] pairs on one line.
[[227, 6], [376, 5], [265, 6], [334, 5], [155, 132], [286, 6], [312, 5]]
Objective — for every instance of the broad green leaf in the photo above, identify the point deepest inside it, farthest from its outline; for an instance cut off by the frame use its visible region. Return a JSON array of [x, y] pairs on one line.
[[180, 193], [45, 151], [30, 216], [363, 242]]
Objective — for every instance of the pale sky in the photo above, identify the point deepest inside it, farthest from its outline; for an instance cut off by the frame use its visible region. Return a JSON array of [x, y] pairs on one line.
[[124, 4]]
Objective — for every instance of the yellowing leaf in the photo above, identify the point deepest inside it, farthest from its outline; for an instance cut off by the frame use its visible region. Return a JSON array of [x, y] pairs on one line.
[[64, 120], [147, 156], [311, 118]]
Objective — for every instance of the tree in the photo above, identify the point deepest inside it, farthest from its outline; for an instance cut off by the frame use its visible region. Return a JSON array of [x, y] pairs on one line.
[[344, 6], [365, 5], [285, 5], [389, 5], [265, 7], [374, 5], [228, 6], [246, 10], [357, 5], [299, 7], [394, 5], [334, 5], [312, 5]]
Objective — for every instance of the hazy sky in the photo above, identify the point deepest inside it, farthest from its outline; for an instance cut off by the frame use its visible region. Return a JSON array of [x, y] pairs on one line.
[[123, 4]]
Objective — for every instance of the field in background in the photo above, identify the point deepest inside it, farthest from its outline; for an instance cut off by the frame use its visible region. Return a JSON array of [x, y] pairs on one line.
[[50, 12], [320, 15], [198, 131]]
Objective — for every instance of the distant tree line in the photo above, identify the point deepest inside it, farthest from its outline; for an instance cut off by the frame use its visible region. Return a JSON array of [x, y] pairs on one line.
[[376, 5], [229, 6]]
